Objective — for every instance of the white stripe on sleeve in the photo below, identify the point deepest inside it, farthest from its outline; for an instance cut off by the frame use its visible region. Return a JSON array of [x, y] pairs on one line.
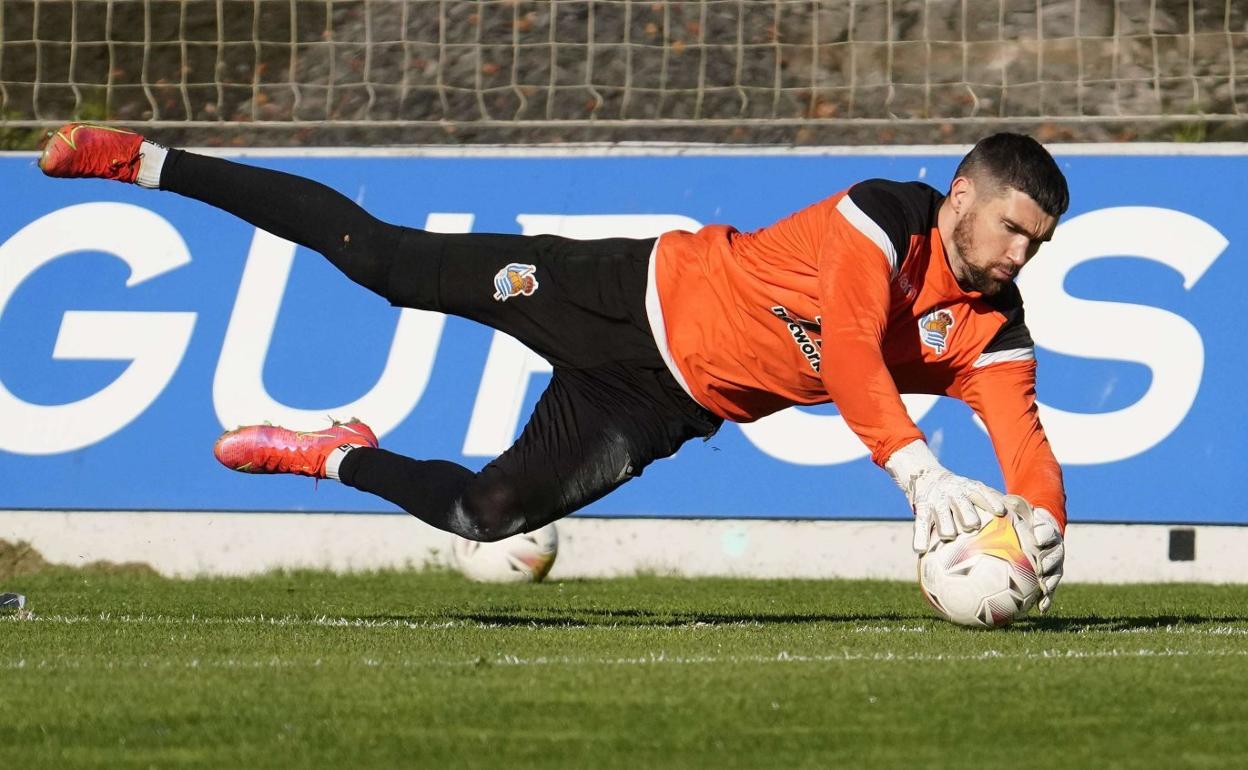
[[1013, 354], [868, 227]]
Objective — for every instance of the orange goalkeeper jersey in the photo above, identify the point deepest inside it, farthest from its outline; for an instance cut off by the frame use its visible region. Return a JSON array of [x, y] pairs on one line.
[[850, 300]]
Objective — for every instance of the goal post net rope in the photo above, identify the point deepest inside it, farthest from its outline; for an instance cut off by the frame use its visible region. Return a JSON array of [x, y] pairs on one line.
[[745, 70]]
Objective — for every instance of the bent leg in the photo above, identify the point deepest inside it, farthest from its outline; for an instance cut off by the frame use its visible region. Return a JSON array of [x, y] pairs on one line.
[[583, 441]]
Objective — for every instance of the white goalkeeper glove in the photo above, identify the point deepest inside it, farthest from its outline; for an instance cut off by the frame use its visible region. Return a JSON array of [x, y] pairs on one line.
[[940, 498], [1045, 547]]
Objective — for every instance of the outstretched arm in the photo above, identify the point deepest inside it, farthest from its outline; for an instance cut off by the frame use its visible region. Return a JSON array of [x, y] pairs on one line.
[[856, 263], [1004, 396]]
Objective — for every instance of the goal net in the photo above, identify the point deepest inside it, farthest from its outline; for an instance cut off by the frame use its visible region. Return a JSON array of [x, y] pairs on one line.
[[710, 70]]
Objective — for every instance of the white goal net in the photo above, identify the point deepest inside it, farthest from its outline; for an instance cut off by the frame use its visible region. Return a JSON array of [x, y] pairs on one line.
[[742, 70]]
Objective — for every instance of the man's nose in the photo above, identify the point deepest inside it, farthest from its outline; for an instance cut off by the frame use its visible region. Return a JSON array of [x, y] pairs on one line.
[[1017, 253]]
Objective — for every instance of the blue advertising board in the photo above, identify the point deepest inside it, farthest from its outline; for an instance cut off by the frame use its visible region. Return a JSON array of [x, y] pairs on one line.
[[136, 325]]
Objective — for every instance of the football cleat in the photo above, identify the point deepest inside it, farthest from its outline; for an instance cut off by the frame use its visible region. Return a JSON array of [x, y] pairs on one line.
[[273, 449], [86, 150]]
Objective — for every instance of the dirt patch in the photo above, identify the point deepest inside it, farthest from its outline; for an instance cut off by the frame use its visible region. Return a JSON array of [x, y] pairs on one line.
[[17, 559], [21, 558]]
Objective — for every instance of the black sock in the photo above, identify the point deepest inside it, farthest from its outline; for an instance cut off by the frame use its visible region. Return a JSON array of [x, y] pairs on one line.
[[427, 489]]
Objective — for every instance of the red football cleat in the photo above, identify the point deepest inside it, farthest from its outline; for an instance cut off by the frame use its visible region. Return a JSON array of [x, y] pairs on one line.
[[86, 150], [271, 449]]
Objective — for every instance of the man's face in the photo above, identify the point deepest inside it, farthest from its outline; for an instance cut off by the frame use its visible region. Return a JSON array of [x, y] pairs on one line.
[[997, 232]]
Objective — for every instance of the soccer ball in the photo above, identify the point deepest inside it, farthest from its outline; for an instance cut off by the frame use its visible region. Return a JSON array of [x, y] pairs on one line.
[[982, 579], [524, 558]]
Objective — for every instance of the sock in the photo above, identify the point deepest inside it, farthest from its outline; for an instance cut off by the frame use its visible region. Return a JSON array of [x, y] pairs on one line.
[[335, 458], [153, 159]]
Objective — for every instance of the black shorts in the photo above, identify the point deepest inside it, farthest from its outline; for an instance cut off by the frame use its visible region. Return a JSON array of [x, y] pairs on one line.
[[612, 406]]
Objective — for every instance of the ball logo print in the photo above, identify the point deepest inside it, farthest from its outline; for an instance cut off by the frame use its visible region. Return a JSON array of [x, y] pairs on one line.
[[982, 579]]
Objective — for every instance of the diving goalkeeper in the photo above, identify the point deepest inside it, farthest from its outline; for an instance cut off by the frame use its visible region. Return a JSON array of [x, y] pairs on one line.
[[881, 289]]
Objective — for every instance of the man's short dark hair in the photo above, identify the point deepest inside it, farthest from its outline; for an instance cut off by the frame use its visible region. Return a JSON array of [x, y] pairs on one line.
[[1019, 162]]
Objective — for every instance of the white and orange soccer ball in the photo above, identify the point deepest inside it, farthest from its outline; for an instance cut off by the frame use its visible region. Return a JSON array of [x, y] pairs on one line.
[[523, 558], [982, 579]]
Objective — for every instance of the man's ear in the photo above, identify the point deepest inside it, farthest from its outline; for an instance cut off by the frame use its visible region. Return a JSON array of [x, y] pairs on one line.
[[961, 194]]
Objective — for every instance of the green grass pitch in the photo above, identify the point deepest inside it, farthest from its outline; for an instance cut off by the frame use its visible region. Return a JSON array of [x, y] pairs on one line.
[[423, 669]]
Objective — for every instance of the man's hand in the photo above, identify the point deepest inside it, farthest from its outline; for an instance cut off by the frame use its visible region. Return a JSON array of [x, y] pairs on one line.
[[940, 498], [1042, 539]]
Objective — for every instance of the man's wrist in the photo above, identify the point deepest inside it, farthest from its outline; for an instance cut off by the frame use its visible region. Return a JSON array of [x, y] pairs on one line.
[[910, 462]]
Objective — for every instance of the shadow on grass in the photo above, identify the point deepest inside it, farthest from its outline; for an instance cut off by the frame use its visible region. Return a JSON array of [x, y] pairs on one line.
[[591, 617], [641, 618], [1111, 623]]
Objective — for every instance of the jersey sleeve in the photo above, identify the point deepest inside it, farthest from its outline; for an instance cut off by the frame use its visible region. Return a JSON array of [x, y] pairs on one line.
[[1001, 389], [857, 261], [891, 214]]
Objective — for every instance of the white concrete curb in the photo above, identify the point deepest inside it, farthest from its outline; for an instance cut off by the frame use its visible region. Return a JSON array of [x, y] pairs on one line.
[[189, 544]]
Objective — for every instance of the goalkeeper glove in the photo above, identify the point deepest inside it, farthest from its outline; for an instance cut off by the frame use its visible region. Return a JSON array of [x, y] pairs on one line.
[[940, 498], [1041, 538]]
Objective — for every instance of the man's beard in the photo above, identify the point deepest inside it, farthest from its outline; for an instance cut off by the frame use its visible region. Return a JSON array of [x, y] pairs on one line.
[[976, 278]]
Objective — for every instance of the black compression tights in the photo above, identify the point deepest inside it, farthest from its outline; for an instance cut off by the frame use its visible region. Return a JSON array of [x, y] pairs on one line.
[[291, 207], [441, 493]]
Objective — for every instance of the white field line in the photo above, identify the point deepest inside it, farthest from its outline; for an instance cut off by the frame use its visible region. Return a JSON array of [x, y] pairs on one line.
[[651, 659], [321, 621], [657, 659]]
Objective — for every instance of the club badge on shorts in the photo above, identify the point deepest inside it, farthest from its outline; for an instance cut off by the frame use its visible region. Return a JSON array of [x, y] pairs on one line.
[[934, 329], [515, 280]]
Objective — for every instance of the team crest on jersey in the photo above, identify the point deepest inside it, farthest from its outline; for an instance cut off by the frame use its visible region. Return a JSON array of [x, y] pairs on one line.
[[934, 329], [515, 280]]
